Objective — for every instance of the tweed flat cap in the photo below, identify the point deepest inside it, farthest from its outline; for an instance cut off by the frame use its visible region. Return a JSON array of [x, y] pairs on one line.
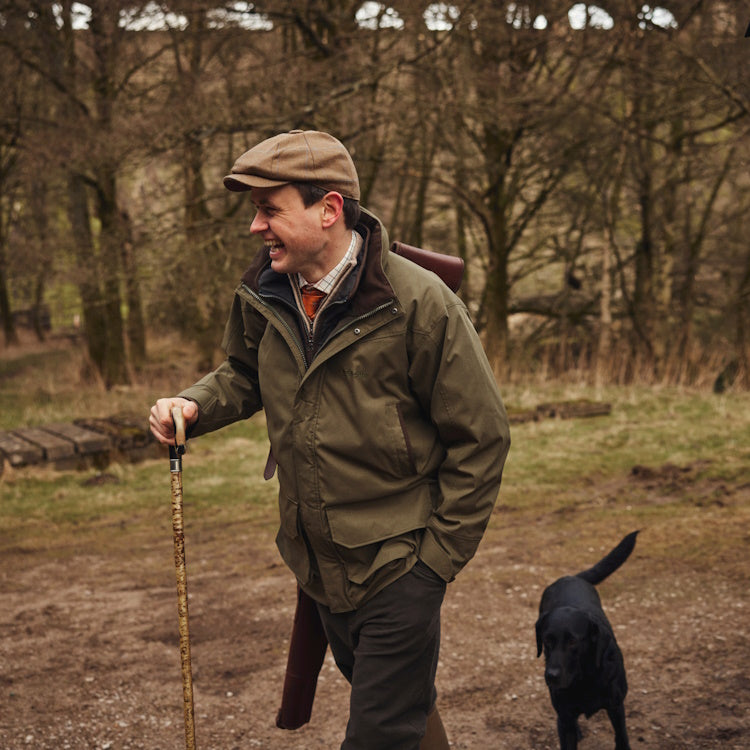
[[297, 156]]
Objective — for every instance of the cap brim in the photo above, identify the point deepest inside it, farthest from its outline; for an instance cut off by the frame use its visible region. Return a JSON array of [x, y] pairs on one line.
[[241, 182]]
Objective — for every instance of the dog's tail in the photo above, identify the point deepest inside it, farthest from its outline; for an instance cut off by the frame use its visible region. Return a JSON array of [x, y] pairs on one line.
[[610, 562]]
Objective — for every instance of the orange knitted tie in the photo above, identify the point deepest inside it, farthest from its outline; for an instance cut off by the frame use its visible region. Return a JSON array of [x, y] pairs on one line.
[[311, 299]]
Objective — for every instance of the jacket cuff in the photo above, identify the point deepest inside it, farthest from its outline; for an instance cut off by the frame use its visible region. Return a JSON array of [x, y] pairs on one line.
[[435, 557]]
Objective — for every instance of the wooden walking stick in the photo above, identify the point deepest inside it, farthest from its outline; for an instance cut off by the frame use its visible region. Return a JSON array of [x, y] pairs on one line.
[[175, 468]]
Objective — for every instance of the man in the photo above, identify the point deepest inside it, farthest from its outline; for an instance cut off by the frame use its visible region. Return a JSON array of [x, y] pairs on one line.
[[384, 420]]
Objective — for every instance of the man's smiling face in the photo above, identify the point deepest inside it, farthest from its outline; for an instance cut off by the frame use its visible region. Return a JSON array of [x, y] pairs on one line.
[[294, 235]]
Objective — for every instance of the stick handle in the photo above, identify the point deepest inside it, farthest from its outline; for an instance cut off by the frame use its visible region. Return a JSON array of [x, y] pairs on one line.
[[179, 429], [182, 601]]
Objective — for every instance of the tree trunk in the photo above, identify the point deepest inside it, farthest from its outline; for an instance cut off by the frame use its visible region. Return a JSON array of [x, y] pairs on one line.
[[38, 317], [643, 302], [499, 151], [38, 201], [395, 226], [742, 325], [694, 238], [428, 150], [496, 294], [496, 319], [115, 363], [94, 326], [604, 347], [610, 206], [6, 313], [136, 326]]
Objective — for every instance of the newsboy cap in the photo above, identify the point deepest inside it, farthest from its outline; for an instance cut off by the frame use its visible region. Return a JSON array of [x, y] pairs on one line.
[[297, 156]]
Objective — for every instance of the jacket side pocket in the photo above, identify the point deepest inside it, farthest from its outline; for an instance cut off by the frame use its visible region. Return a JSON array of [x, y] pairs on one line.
[[290, 541]]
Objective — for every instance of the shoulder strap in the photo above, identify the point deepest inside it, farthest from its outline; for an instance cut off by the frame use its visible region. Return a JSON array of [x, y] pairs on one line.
[[448, 267]]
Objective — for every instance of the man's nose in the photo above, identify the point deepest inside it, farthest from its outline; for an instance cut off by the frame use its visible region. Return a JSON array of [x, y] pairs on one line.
[[258, 224]]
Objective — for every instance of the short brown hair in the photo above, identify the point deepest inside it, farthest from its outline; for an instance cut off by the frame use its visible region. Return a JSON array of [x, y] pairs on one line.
[[312, 194]]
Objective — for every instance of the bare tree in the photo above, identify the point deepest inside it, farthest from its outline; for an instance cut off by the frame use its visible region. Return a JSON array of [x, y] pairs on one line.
[[87, 75], [508, 106], [10, 131], [588, 176]]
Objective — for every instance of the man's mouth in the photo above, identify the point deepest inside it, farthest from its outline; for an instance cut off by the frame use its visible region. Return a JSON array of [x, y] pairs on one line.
[[274, 247]]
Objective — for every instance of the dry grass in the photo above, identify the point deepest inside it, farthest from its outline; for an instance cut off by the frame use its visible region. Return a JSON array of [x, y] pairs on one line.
[[88, 629]]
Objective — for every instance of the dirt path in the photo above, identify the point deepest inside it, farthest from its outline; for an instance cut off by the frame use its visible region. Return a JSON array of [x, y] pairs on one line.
[[88, 656]]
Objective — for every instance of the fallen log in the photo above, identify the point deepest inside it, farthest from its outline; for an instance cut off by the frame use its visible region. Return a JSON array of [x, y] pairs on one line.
[[81, 444], [571, 409]]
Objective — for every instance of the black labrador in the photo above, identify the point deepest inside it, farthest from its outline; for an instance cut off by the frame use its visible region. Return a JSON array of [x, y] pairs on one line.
[[584, 669]]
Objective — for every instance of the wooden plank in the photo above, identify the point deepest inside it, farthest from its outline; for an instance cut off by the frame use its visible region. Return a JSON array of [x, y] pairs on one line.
[[126, 432], [589, 409], [85, 441], [135, 430], [516, 416], [54, 447], [78, 444], [573, 409], [19, 452]]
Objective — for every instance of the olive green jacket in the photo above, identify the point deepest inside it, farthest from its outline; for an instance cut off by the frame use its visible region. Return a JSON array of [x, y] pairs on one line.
[[387, 425]]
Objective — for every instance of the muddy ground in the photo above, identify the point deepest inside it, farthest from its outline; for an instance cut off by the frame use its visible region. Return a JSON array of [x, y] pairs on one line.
[[89, 657]]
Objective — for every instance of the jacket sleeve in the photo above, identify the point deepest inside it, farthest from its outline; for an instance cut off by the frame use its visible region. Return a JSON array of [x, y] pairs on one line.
[[231, 391], [450, 373]]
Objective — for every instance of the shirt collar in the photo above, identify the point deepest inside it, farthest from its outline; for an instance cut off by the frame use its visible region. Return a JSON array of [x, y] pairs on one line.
[[348, 261]]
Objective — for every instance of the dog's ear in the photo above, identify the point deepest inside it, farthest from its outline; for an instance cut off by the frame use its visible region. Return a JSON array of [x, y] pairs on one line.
[[600, 638], [539, 631]]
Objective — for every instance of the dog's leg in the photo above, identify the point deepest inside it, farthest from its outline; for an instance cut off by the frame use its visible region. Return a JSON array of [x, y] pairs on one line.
[[617, 717], [569, 732]]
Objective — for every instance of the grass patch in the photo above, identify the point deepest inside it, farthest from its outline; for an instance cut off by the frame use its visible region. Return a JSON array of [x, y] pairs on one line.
[[44, 511], [646, 426], [668, 461], [587, 479]]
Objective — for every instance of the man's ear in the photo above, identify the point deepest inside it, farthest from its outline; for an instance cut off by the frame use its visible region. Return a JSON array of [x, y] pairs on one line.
[[332, 206]]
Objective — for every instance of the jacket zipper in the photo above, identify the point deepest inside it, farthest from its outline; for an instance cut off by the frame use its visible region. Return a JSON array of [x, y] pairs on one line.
[[281, 320], [364, 316], [310, 334]]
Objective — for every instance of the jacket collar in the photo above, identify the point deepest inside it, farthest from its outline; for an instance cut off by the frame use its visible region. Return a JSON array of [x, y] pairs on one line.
[[367, 287]]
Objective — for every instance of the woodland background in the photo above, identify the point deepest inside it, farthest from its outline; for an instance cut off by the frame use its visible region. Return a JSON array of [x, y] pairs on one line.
[[590, 163]]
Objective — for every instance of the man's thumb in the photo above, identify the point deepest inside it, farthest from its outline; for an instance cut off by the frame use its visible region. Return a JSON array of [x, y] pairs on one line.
[[190, 411]]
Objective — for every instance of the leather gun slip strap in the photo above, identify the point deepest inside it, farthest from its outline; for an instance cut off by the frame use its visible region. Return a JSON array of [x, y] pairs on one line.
[[307, 646], [448, 267]]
